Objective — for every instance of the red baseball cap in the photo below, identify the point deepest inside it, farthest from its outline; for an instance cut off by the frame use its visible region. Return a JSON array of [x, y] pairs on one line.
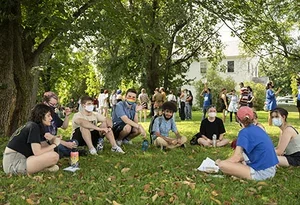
[[245, 112]]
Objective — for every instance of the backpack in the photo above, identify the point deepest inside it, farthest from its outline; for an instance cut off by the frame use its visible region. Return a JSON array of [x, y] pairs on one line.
[[150, 130]]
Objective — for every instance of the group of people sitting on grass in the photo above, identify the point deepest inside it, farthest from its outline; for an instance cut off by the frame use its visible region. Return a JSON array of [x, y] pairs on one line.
[[36, 147]]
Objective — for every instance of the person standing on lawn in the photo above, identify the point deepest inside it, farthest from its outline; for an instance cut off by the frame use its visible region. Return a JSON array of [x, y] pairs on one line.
[[162, 126], [125, 119], [254, 147], [25, 153], [210, 126], [271, 103], [288, 148], [86, 130]]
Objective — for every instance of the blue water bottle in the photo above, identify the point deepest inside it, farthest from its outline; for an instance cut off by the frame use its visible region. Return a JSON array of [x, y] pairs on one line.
[[145, 145]]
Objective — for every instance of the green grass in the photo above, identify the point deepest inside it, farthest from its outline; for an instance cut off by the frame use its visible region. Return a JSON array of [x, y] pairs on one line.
[[153, 177]]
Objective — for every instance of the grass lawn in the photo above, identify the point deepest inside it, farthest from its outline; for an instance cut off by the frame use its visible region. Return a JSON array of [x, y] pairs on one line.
[[153, 177]]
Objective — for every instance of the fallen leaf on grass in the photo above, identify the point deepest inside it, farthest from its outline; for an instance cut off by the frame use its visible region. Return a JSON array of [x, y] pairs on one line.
[[30, 201], [262, 183], [124, 170], [214, 193], [115, 203], [215, 200], [161, 193], [154, 197], [147, 187], [144, 197]]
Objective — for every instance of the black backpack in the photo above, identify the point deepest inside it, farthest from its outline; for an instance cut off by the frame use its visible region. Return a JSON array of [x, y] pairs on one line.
[[150, 130]]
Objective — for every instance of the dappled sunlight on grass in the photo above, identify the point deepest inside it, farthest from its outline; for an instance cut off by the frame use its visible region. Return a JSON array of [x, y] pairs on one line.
[[153, 177]]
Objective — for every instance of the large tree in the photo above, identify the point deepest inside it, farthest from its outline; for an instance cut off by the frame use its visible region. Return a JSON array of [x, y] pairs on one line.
[[26, 29]]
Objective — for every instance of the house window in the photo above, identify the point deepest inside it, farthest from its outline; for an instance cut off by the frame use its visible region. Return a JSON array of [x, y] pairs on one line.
[[203, 67], [230, 66]]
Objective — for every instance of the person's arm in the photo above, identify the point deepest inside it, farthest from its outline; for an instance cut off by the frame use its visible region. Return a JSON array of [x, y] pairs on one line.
[[284, 140], [38, 149], [237, 155], [221, 136], [223, 96], [86, 124]]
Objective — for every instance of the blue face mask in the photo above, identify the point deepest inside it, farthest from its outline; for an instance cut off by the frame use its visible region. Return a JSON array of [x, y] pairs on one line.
[[277, 122]]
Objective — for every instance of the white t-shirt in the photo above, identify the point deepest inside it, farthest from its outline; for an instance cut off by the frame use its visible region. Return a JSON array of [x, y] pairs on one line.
[[94, 118], [103, 100]]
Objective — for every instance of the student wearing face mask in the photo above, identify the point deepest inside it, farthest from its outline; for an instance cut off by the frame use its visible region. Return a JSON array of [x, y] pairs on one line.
[[162, 126], [125, 119], [288, 148], [210, 126], [86, 130]]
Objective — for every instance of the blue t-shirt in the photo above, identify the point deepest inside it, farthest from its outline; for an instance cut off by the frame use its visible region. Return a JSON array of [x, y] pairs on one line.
[[122, 109], [207, 99], [165, 126], [258, 147], [270, 100]]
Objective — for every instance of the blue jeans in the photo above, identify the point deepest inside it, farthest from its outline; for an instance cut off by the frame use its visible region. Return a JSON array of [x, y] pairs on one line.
[[205, 108], [188, 111], [64, 151]]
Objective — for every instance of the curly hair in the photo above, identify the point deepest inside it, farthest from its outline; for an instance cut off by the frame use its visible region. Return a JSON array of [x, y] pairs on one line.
[[169, 106], [38, 113]]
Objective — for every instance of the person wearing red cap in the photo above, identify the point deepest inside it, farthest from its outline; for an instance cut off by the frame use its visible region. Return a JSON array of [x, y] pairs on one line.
[[254, 157]]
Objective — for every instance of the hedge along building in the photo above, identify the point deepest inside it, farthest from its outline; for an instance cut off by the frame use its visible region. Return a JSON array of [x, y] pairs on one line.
[[235, 64]]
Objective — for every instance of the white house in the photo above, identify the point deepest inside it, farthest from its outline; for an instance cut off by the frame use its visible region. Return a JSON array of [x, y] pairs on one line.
[[238, 66]]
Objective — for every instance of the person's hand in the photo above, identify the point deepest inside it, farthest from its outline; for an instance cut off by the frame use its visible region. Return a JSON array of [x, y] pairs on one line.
[[217, 162], [49, 136], [174, 142], [70, 145], [56, 141], [105, 130], [139, 108], [67, 111]]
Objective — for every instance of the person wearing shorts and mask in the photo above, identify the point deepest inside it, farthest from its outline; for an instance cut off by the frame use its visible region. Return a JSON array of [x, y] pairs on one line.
[[254, 157]]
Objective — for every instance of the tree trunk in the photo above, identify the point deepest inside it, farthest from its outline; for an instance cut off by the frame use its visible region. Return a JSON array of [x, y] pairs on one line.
[[153, 72], [15, 75]]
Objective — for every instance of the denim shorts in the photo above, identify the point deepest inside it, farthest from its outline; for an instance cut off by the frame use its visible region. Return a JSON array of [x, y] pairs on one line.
[[263, 174], [14, 163]]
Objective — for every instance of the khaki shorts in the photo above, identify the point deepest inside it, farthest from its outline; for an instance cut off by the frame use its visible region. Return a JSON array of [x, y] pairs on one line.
[[14, 163]]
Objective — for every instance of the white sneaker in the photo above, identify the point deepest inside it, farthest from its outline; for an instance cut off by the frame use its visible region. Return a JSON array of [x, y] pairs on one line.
[[126, 141], [93, 151], [117, 149], [119, 142], [53, 168]]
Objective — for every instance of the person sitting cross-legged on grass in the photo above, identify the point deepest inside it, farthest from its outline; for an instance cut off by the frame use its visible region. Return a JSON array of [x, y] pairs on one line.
[[86, 130], [288, 148], [254, 147], [125, 119], [163, 124], [25, 153], [210, 126]]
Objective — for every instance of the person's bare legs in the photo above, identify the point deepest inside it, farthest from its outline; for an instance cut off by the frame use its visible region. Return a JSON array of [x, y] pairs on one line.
[[235, 169], [134, 133], [222, 142], [87, 137], [38, 163], [283, 161], [125, 132], [110, 135], [224, 116], [204, 142], [269, 119], [145, 114]]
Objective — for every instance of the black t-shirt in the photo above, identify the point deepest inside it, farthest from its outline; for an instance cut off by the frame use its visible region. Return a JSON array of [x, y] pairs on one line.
[[208, 128], [22, 138]]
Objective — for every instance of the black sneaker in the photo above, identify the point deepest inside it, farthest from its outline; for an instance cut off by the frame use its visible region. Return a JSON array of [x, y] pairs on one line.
[[183, 146]]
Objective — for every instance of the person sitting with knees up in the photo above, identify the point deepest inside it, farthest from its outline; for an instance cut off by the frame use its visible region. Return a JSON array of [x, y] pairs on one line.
[[254, 147], [87, 132], [24, 153], [125, 119], [163, 124], [210, 126], [288, 148]]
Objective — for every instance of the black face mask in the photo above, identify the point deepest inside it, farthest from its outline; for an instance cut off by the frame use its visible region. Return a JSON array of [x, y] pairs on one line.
[[166, 117]]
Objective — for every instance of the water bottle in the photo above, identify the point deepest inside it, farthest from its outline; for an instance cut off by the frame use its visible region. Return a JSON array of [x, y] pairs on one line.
[[74, 158], [214, 138], [145, 145]]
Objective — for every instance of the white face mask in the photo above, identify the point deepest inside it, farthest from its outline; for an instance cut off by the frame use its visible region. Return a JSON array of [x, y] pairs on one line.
[[212, 114], [89, 108], [277, 122]]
